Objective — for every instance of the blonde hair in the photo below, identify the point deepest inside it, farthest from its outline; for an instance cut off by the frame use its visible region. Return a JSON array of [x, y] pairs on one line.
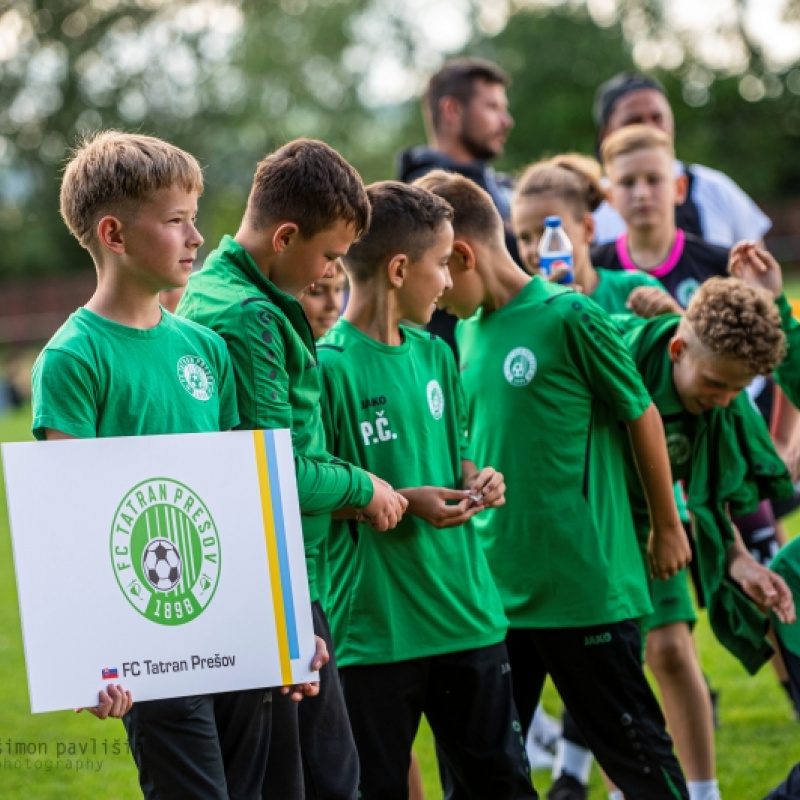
[[111, 172], [736, 322], [633, 138], [572, 178]]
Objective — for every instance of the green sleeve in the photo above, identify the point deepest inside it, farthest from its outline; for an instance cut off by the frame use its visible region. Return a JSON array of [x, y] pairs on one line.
[[599, 352], [64, 396], [323, 483], [626, 322], [787, 374]]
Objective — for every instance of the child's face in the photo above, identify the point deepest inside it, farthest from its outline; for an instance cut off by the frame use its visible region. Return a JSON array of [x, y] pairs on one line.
[[305, 261], [704, 382], [323, 303], [528, 214], [161, 239], [426, 279], [643, 188]]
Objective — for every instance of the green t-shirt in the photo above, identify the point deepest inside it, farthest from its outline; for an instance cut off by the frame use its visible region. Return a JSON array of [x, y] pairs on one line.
[[614, 286], [787, 564], [98, 378], [679, 430], [548, 383], [416, 591], [277, 385]]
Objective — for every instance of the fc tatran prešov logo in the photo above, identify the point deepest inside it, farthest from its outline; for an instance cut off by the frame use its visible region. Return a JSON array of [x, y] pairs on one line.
[[679, 448], [196, 377], [435, 399], [165, 551], [519, 366]]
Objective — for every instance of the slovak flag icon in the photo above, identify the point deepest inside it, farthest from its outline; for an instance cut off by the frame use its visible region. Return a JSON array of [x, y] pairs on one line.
[[108, 674]]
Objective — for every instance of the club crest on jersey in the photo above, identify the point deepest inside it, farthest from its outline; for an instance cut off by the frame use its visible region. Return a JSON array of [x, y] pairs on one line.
[[685, 290], [519, 366], [435, 399], [679, 448], [196, 377]]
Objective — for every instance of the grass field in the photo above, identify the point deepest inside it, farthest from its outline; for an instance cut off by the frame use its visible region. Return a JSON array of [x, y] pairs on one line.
[[64, 755]]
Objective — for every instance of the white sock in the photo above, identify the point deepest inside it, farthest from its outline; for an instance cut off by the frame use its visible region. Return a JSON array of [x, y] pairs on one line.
[[574, 760], [704, 790], [616, 795]]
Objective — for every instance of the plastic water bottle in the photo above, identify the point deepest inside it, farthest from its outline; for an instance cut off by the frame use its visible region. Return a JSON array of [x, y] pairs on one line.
[[555, 251]]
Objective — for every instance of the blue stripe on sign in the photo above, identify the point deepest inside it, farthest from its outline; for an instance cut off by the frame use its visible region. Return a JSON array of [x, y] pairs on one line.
[[283, 549]]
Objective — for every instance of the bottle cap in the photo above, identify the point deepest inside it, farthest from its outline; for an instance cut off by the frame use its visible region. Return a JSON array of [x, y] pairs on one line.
[[552, 222]]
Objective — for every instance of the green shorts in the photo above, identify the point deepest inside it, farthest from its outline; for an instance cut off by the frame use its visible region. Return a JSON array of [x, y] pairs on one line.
[[672, 602]]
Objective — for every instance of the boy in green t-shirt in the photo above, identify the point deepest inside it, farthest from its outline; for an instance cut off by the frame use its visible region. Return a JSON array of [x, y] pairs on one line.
[[123, 366], [548, 382], [306, 206], [416, 616]]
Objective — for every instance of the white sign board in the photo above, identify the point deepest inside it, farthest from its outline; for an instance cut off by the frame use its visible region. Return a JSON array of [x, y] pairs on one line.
[[173, 565]]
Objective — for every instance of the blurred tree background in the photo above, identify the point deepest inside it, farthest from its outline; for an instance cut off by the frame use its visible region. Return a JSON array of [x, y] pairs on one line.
[[231, 79]]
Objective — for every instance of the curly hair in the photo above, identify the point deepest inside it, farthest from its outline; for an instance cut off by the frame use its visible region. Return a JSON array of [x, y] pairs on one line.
[[736, 322]]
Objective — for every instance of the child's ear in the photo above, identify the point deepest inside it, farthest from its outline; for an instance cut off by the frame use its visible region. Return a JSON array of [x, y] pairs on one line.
[[396, 270], [588, 227], [676, 348], [681, 189], [463, 257], [110, 234], [283, 236]]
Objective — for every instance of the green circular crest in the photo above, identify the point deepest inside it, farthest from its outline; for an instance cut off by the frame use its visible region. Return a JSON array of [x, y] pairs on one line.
[[165, 551], [196, 377]]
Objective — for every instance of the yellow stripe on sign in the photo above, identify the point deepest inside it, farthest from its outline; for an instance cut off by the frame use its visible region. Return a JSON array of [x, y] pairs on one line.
[[272, 557]]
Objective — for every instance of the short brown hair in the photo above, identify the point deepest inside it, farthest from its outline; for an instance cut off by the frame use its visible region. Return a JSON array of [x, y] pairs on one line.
[[633, 138], [110, 172], [405, 219], [736, 322], [308, 183], [572, 178], [475, 212], [457, 78]]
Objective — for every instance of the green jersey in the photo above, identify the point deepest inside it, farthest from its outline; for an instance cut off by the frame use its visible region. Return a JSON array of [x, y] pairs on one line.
[[787, 373], [98, 378], [548, 382], [415, 591], [679, 430], [614, 287], [277, 385], [787, 564]]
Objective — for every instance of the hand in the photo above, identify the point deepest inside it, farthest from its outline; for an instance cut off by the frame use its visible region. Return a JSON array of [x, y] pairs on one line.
[[430, 503], [310, 688], [668, 551], [116, 702], [650, 301], [756, 266], [558, 274], [767, 589], [386, 508], [489, 485]]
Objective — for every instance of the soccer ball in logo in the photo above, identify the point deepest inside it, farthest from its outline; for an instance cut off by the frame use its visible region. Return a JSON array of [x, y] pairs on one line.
[[519, 366], [161, 564]]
